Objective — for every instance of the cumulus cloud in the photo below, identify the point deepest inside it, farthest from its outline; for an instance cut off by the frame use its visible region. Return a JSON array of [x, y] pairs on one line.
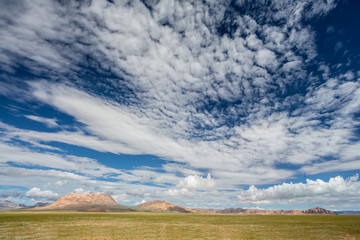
[[266, 58], [197, 182], [335, 187], [37, 193]]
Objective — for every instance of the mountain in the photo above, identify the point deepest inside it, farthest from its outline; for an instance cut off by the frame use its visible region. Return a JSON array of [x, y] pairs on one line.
[[5, 204], [76, 200], [89, 202], [162, 206], [314, 211], [318, 210]]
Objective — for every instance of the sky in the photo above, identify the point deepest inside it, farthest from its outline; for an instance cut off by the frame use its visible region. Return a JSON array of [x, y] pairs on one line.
[[205, 104]]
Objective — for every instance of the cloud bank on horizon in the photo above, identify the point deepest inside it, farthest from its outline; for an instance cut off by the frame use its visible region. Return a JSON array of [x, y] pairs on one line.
[[181, 100]]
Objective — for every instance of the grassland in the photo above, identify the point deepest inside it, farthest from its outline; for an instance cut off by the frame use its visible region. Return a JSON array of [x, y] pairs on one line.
[[56, 225]]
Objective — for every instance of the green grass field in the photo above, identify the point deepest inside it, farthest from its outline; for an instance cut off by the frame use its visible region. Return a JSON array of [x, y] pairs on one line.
[[55, 225]]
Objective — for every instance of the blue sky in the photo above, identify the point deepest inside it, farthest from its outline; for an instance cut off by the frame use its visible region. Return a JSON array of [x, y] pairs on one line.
[[201, 103]]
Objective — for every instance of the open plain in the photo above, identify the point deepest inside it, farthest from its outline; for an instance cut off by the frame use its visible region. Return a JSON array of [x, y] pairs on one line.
[[77, 225]]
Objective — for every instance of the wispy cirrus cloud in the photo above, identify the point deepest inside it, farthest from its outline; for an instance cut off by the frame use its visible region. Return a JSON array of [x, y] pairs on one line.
[[50, 122]]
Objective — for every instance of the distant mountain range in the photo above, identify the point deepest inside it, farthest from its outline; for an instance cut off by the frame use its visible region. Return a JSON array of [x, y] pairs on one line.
[[99, 202], [4, 204], [317, 210]]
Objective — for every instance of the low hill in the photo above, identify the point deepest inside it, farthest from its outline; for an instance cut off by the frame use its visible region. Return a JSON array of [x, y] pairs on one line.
[[89, 202], [162, 206]]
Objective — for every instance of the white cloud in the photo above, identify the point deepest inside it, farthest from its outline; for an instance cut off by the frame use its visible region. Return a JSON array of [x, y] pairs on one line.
[[180, 168], [142, 201], [336, 187], [183, 192], [332, 166], [132, 135], [120, 197], [37, 193], [61, 183], [258, 175], [27, 157], [80, 190], [23, 156], [148, 176], [299, 139], [197, 182], [50, 122], [136, 192], [18, 173], [266, 58], [253, 42]]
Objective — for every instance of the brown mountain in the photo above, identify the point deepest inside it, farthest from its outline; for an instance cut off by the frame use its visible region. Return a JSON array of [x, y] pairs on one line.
[[318, 210], [90, 202], [162, 206]]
